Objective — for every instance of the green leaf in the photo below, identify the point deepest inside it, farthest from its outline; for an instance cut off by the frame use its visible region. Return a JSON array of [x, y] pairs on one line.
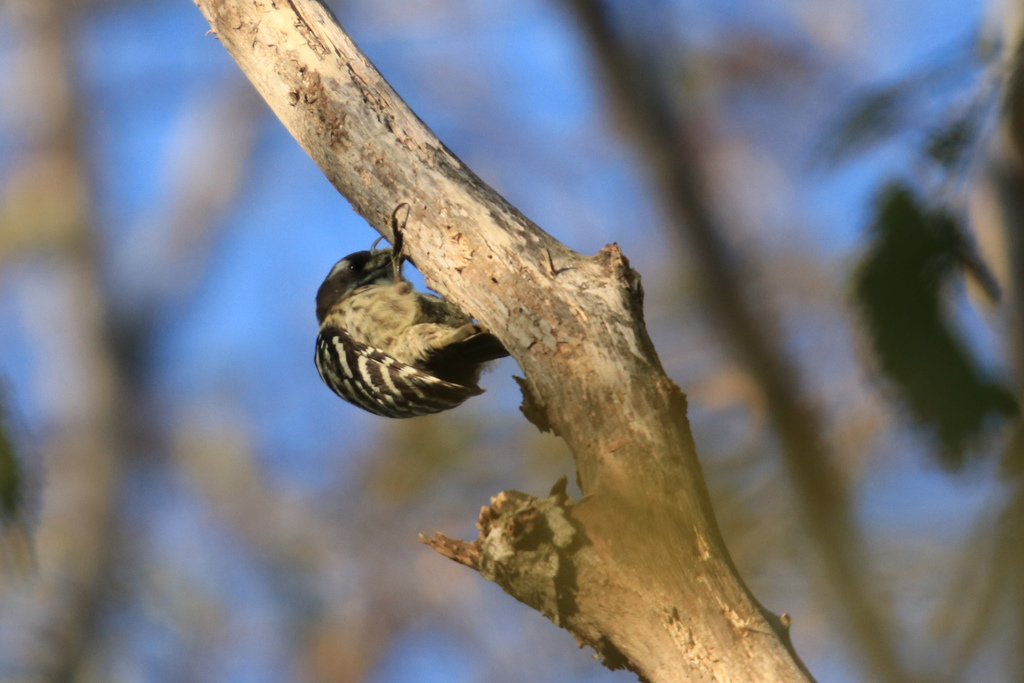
[[898, 288]]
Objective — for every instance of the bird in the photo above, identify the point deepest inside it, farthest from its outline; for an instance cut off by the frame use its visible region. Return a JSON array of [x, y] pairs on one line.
[[391, 350]]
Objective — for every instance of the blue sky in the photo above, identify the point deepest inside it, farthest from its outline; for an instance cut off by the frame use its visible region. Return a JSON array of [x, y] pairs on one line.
[[508, 87]]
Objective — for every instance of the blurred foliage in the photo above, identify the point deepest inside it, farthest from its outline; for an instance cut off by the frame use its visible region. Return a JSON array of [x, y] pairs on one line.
[[945, 101], [413, 454], [948, 145], [17, 556], [10, 472], [40, 204], [259, 531], [1013, 456], [872, 119], [899, 289]]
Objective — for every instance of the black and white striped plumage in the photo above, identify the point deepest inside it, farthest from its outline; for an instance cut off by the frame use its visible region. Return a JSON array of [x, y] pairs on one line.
[[391, 350]]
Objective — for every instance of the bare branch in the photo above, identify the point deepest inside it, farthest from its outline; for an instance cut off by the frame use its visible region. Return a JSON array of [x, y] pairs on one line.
[[539, 550], [574, 323], [660, 133]]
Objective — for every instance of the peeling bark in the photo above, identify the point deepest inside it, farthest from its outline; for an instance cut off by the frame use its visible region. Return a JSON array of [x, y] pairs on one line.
[[636, 569], [588, 570]]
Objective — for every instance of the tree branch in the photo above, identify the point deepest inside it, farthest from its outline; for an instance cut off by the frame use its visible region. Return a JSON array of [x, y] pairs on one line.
[[574, 323], [660, 133]]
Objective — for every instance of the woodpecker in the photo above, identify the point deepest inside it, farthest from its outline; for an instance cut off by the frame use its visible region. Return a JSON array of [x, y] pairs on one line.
[[391, 350]]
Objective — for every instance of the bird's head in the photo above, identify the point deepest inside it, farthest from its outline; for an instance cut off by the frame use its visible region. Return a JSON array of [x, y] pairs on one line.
[[356, 270]]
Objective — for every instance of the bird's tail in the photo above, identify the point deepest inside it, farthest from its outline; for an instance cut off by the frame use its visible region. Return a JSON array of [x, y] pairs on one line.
[[460, 362]]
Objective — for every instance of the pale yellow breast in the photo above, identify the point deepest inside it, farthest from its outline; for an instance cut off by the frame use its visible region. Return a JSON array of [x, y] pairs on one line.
[[377, 315]]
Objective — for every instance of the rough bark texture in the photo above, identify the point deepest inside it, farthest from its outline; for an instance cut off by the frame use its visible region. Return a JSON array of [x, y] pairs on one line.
[[637, 569], [661, 129]]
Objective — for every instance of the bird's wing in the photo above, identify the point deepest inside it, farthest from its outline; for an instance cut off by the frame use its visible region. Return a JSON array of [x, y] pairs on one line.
[[371, 379]]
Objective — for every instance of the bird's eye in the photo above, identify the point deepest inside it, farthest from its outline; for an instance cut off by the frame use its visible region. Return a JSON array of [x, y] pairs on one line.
[[353, 263]]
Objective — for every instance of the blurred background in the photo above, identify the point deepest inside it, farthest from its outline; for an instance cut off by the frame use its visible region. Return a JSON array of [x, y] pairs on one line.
[[819, 196]]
